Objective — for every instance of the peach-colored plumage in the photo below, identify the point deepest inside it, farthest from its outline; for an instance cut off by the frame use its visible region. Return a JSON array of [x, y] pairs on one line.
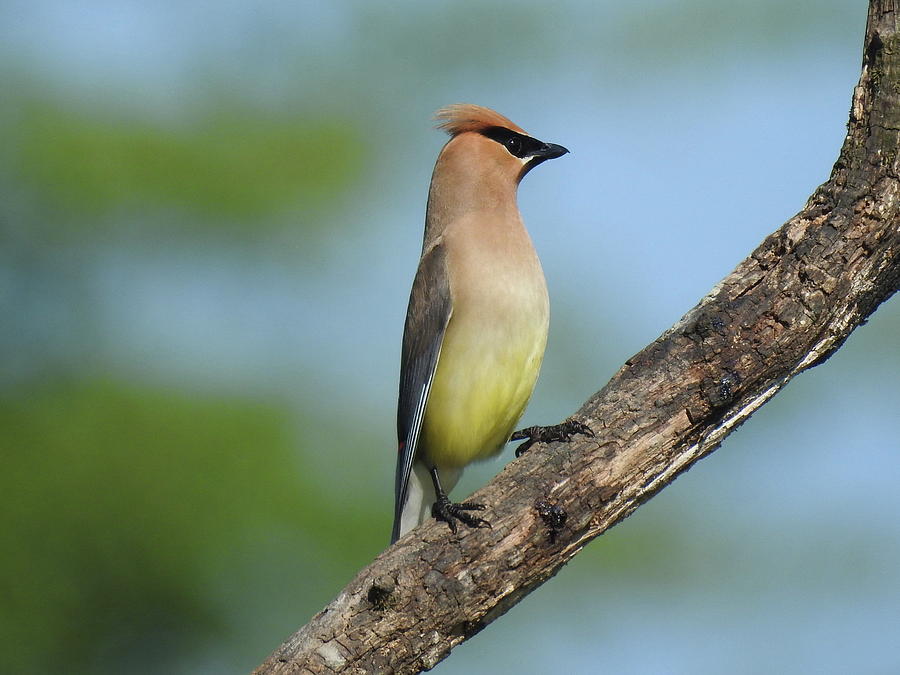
[[461, 117], [478, 315]]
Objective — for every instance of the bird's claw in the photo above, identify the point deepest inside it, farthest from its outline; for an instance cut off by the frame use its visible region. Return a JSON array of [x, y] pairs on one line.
[[556, 432], [445, 510]]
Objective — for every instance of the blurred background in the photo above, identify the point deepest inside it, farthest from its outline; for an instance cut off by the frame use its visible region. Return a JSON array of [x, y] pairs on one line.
[[210, 215]]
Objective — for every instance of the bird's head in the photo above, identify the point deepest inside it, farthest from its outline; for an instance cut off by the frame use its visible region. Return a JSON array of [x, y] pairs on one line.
[[484, 139]]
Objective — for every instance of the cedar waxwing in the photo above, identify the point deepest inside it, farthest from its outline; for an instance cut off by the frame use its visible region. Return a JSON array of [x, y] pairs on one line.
[[478, 316]]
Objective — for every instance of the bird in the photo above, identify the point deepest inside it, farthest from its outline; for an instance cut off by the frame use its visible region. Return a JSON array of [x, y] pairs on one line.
[[478, 316]]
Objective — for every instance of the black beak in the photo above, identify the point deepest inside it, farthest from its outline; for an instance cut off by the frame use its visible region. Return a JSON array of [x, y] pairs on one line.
[[549, 151], [542, 154]]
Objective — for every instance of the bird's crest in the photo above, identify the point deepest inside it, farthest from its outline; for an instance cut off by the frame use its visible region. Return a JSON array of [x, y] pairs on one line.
[[461, 117]]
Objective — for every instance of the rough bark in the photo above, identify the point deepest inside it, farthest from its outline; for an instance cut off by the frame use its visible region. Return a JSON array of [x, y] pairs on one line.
[[784, 309]]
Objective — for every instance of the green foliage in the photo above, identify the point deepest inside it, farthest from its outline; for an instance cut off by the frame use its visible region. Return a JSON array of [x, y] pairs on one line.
[[121, 503], [231, 163]]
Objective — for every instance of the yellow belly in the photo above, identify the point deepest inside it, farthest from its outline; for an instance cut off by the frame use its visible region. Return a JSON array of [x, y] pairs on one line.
[[485, 375]]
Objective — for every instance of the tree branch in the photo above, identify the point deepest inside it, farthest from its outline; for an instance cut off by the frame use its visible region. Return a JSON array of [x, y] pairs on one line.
[[784, 309]]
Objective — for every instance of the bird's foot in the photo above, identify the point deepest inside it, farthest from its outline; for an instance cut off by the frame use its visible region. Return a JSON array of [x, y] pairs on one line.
[[445, 510], [556, 432]]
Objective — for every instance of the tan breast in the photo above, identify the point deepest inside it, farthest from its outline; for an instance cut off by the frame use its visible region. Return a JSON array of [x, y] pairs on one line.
[[494, 344]]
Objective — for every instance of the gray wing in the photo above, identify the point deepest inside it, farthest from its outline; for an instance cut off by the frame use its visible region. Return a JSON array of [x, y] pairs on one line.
[[426, 322]]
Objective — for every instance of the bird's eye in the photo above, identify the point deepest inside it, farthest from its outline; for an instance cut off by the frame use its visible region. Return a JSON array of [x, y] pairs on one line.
[[514, 145]]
